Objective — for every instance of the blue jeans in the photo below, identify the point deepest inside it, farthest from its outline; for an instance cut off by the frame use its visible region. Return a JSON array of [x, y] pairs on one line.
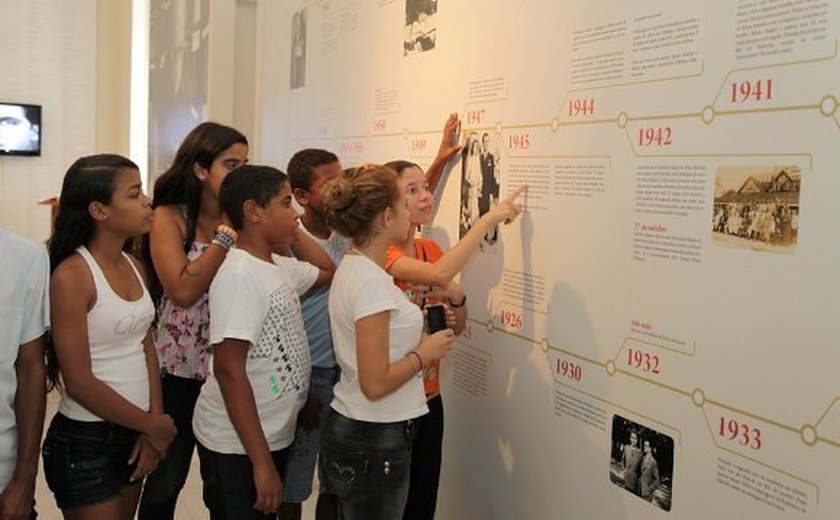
[[85, 462], [368, 465], [303, 453], [228, 490], [163, 486]]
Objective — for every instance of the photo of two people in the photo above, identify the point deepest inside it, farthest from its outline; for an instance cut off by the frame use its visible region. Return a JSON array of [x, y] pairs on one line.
[[480, 180]]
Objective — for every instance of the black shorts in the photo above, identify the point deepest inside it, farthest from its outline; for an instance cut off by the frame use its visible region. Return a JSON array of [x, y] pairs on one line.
[[86, 463]]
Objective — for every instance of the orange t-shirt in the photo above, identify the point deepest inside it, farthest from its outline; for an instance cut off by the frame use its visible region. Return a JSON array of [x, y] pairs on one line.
[[427, 251]]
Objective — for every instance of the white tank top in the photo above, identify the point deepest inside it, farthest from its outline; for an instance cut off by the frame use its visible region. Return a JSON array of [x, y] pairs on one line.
[[116, 328]]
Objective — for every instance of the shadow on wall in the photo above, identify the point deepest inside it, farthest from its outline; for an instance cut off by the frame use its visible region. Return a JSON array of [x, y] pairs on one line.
[[511, 453]]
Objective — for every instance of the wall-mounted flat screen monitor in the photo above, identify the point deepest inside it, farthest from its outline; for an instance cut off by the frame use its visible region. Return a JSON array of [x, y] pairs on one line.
[[20, 129]]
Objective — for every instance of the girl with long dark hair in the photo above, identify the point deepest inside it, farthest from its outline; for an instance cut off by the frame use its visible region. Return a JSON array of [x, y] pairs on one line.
[[110, 430]]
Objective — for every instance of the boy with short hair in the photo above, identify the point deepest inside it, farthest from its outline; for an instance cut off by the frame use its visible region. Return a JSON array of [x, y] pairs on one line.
[[246, 413], [308, 170]]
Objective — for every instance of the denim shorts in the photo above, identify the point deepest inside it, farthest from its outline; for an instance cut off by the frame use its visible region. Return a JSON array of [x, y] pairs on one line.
[[368, 464], [86, 463], [297, 482]]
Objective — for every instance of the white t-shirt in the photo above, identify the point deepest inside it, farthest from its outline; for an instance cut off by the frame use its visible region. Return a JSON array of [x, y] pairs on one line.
[[258, 302], [24, 316], [361, 288]]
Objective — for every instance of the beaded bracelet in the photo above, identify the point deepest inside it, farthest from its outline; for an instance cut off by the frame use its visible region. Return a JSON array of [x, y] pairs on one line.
[[225, 237]]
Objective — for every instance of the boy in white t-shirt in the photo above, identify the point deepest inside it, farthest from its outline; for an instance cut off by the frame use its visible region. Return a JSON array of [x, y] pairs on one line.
[[259, 371]]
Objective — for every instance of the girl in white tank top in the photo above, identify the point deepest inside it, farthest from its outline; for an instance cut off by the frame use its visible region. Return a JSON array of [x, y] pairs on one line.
[[110, 430]]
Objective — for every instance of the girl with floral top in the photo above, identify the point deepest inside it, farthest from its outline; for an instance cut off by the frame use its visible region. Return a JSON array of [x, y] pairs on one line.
[[187, 243]]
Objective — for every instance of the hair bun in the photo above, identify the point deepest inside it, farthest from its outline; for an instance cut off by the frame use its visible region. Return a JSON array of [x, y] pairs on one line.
[[339, 193], [354, 199]]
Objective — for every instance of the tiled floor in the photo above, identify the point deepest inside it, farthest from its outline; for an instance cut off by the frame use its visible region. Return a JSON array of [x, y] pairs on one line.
[[190, 506]]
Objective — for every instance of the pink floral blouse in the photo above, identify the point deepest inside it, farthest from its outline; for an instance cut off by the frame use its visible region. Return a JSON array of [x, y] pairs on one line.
[[181, 341]]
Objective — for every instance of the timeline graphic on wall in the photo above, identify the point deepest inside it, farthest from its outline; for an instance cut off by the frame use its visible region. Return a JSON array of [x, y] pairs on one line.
[[656, 335]]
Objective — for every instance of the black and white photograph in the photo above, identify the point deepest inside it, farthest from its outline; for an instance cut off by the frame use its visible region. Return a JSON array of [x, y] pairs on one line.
[[297, 68], [178, 71], [757, 208], [420, 26], [480, 180], [642, 461], [20, 129]]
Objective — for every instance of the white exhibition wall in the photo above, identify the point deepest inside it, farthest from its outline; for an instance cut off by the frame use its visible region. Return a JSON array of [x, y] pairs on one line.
[[49, 60], [674, 275]]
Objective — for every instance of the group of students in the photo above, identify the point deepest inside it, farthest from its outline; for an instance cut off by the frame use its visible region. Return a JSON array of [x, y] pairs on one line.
[[236, 334]]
